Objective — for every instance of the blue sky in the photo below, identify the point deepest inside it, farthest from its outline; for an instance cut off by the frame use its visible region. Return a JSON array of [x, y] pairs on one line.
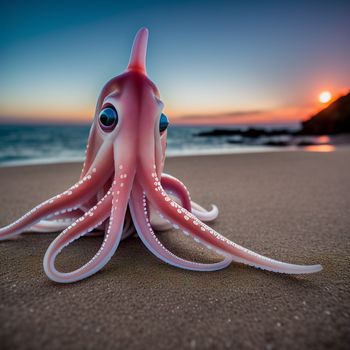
[[208, 58]]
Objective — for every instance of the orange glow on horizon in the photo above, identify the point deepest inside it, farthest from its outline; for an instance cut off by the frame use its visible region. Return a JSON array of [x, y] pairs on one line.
[[57, 114], [85, 115], [319, 148], [81, 113], [278, 115]]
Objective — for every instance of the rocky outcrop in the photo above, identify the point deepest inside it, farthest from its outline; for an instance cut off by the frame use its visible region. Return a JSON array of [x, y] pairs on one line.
[[334, 119]]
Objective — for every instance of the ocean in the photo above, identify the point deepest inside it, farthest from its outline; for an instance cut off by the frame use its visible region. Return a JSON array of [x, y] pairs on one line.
[[40, 144]]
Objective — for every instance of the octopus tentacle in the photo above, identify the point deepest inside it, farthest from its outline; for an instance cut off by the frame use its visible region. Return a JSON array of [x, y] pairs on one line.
[[90, 152], [157, 220], [203, 214], [190, 224], [112, 205], [47, 226], [138, 207], [178, 190], [60, 222], [69, 200], [82, 226], [175, 186], [160, 224]]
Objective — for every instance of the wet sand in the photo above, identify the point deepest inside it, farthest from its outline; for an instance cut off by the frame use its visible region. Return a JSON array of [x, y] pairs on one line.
[[293, 206]]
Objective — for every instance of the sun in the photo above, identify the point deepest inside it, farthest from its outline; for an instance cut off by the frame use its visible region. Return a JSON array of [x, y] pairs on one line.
[[325, 97]]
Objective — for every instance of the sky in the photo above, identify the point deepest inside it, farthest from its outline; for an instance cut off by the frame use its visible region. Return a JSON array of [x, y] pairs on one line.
[[214, 62]]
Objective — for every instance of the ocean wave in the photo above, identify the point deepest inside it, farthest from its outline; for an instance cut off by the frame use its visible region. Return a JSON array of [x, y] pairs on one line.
[[43, 144]]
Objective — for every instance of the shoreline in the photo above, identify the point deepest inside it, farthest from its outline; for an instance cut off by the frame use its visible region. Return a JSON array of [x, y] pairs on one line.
[[170, 154], [189, 153]]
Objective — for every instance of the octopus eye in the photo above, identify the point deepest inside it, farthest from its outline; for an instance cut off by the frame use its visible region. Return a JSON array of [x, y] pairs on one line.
[[108, 118], [163, 123]]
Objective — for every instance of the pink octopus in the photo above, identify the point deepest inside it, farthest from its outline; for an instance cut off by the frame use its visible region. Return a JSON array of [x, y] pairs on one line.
[[122, 187]]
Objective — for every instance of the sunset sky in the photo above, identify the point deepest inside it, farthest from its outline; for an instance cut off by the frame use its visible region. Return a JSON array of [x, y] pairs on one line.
[[213, 61]]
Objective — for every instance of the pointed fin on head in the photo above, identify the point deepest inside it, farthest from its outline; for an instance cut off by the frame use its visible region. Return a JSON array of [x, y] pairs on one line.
[[137, 61]]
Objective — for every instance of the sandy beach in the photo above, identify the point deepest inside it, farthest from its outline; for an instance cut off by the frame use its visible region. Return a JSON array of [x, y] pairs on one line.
[[292, 206]]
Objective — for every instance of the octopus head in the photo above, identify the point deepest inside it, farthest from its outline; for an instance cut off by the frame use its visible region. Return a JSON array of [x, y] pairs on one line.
[[129, 123]]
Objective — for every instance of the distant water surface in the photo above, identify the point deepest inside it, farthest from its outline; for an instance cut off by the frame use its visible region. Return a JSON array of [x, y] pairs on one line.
[[39, 144]]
